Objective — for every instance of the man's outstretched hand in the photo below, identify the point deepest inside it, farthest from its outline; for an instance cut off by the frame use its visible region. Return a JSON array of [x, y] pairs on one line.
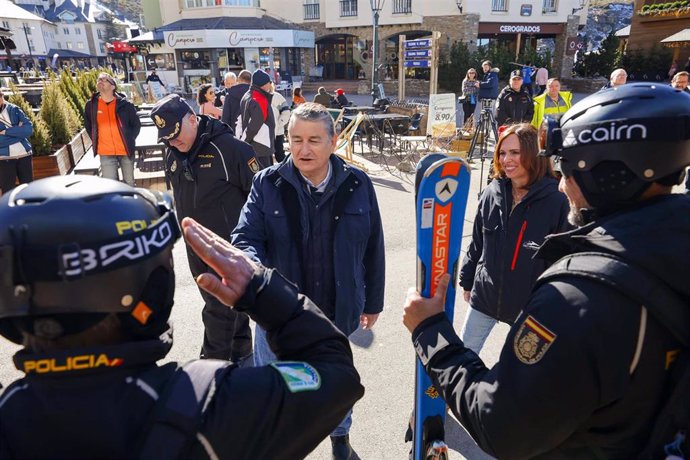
[[233, 266], [418, 308]]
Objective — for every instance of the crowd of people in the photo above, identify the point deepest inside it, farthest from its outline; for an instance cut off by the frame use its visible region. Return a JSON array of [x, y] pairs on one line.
[[298, 247]]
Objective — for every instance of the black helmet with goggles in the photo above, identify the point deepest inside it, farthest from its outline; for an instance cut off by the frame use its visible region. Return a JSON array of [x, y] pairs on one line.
[[74, 249], [617, 142]]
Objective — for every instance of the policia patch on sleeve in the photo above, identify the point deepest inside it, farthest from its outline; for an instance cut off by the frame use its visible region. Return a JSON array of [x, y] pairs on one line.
[[532, 341], [253, 165], [298, 376]]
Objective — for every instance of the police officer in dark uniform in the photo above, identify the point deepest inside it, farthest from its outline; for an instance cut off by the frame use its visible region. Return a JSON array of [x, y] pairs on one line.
[[583, 371], [514, 104], [211, 174], [87, 284]]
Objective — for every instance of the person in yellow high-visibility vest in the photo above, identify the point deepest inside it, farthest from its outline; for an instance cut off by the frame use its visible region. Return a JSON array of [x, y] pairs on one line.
[[551, 102]]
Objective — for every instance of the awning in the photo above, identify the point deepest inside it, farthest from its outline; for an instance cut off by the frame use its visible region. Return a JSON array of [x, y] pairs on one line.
[[682, 36], [624, 32], [68, 54], [148, 37]]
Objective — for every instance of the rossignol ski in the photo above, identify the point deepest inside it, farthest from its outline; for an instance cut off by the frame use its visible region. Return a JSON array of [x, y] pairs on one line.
[[442, 187]]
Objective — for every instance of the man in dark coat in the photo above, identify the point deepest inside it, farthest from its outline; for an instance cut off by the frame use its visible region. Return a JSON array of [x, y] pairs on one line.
[[316, 219], [488, 87], [233, 96], [257, 123], [211, 173], [514, 104], [585, 369]]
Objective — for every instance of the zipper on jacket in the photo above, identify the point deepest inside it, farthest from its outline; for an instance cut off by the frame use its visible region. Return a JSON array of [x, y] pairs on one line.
[[518, 244]]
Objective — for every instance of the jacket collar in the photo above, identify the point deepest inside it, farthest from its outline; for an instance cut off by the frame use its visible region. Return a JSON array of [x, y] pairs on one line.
[[91, 360], [287, 171]]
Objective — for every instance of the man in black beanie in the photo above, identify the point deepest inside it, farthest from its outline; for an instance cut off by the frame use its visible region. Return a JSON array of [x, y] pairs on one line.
[[256, 124]]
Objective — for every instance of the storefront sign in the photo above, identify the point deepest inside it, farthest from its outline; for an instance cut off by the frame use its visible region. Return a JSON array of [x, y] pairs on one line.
[[240, 39], [122, 47], [426, 43], [526, 28], [441, 121], [573, 45], [417, 64], [417, 54]]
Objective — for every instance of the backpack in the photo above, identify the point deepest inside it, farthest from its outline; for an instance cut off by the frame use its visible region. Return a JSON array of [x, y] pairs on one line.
[[177, 415], [672, 424]]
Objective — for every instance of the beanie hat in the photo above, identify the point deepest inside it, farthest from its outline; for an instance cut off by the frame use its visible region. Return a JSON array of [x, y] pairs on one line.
[[260, 78], [339, 91]]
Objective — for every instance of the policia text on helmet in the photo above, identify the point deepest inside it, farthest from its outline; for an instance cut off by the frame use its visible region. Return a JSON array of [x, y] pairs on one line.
[[617, 143], [75, 250]]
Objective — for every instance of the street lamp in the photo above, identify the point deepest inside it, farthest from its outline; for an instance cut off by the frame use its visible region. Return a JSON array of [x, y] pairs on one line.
[[26, 35], [376, 7]]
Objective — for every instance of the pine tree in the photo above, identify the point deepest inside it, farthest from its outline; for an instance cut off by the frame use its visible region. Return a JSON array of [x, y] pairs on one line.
[[40, 139], [59, 117]]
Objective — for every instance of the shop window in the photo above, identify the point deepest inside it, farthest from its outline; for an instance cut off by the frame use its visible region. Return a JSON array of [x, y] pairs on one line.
[[312, 10], [348, 8], [69, 45], [101, 47], [80, 45], [499, 5], [402, 6], [550, 6]]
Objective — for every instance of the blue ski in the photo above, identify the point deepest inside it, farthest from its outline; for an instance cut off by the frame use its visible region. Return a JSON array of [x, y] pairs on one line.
[[442, 189]]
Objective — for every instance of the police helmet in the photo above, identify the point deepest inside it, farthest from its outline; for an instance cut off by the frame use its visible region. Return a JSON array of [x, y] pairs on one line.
[[75, 249], [617, 142]]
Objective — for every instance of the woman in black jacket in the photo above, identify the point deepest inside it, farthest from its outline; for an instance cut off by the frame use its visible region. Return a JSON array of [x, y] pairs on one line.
[[515, 213]]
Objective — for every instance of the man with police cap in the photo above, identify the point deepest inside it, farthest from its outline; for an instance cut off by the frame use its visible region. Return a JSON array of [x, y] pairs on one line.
[[211, 174], [583, 372], [91, 309], [514, 104]]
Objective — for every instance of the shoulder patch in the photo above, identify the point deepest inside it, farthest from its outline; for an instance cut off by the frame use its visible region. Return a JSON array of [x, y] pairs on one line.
[[253, 165], [298, 376], [532, 341]]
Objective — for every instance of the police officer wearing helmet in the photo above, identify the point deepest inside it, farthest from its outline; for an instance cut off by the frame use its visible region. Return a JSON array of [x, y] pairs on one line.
[[91, 309], [211, 174], [583, 371]]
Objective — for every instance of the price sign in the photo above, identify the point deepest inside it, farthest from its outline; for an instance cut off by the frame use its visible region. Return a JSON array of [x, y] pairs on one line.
[[441, 120]]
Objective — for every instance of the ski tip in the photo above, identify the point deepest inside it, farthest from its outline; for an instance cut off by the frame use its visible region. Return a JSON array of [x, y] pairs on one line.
[[451, 166]]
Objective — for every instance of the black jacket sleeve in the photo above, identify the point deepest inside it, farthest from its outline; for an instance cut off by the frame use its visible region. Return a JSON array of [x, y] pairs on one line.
[[87, 118], [226, 116], [502, 109], [474, 250], [255, 414], [520, 409], [239, 155]]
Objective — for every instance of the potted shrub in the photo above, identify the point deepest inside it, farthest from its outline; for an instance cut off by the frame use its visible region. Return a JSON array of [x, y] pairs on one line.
[[63, 124]]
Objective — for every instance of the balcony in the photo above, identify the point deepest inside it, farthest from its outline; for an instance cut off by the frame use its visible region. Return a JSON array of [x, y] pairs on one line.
[[311, 11], [348, 8], [402, 6], [549, 7], [499, 6]]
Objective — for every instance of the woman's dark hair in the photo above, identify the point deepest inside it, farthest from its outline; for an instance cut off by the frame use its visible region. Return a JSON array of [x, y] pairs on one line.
[[537, 166], [297, 91], [201, 95]]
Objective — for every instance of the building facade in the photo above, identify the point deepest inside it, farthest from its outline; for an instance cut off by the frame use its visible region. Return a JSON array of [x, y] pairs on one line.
[[77, 34], [32, 35], [344, 33], [666, 22], [200, 40]]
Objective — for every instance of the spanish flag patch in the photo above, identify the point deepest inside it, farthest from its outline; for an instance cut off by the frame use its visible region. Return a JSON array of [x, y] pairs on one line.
[[532, 341]]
